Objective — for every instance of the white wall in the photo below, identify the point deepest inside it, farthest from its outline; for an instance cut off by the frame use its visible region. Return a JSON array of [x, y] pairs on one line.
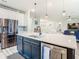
[[4, 13], [53, 26], [49, 26], [29, 21], [65, 22]]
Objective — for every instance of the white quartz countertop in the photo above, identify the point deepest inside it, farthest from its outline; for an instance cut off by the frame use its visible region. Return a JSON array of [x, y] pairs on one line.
[[60, 39]]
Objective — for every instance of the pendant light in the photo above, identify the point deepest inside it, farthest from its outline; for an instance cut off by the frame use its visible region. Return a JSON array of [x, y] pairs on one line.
[[46, 15], [35, 16], [35, 4], [69, 19], [34, 9], [64, 11]]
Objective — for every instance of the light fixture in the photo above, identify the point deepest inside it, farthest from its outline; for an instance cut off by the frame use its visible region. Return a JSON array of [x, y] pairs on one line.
[[33, 10], [64, 11], [46, 15], [69, 19], [60, 23]]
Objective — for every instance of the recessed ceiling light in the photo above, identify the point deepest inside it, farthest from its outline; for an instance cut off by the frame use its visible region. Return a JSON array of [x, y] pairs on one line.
[[49, 4], [4, 0], [33, 10], [60, 23]]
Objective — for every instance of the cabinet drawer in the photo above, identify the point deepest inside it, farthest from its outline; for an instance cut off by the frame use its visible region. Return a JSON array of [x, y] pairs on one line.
[[32, 41]]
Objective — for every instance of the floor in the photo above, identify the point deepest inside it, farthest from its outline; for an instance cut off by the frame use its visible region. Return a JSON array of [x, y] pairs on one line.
[[12, 53], [77, 51], [0, 45]]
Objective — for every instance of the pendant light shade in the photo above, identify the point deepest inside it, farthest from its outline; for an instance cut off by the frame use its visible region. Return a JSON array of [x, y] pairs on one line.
[[46, 15], [64, 11], [34, 9], [69, 19]]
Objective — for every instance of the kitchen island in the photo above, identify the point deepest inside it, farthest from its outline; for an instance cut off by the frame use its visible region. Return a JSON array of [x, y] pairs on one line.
[[30, 45]]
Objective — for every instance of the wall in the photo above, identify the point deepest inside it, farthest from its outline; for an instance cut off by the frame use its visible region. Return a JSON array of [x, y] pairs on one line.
[[66, 21], [54, 26], [4, 13], [49, 26], [30, 21]]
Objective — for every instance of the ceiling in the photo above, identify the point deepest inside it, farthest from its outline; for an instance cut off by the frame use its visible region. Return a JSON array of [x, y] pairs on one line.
[[54, 11]]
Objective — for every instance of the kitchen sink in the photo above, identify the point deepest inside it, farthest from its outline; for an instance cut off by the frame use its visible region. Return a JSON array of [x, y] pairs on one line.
[[34, 36]]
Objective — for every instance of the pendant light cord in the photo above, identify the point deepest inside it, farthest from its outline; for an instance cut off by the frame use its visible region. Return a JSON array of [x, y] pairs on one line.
[[35, 5], [46, 8], [63, 5], [63, 11]]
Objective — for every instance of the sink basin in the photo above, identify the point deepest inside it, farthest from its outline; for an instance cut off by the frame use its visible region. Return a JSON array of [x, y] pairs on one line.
[[34, 36]]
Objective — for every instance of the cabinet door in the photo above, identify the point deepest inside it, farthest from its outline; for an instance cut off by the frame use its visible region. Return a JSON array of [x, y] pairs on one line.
[[36, 52], [19, 44], [27, 50]]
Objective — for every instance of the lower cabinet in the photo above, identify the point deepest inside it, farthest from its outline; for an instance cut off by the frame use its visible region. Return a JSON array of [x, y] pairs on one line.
[[29, 48], [36, 51], [19, 44]]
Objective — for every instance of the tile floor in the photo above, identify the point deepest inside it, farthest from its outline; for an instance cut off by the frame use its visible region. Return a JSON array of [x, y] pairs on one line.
[[11, 53]]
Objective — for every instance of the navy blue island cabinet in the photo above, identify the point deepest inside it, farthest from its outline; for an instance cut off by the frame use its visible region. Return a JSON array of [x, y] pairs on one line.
[[28, 47], [19, 44], [31, 49]]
